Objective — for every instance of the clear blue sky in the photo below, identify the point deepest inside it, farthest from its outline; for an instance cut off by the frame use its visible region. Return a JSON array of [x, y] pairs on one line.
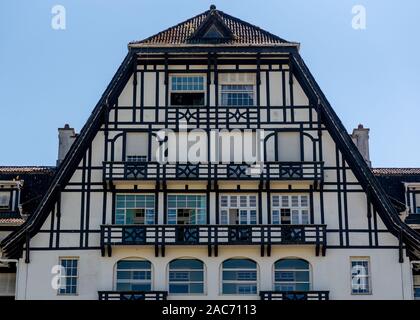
[[51, 77]]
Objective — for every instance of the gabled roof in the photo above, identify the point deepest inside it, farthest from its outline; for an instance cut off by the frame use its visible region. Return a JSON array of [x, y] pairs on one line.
[[392, 180], [233, 31], [12, 245], [397, 172], [36, 181]]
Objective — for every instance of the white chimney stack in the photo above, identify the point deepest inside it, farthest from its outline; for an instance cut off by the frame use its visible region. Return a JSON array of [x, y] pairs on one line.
[[66, 137], [360, 137]]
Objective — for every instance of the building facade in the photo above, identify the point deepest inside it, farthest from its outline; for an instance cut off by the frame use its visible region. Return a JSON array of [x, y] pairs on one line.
[[213, 167], [21, 190]]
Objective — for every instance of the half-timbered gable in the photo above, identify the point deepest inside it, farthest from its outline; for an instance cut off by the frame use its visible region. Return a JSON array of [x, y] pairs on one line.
[[214, 167]]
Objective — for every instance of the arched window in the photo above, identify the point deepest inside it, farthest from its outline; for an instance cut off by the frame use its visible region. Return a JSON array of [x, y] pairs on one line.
[[239, 276], [186, 276], [134, 275], [292, 275]]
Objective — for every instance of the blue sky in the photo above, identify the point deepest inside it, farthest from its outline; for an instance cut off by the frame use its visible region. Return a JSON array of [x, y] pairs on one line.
[[50, 77]]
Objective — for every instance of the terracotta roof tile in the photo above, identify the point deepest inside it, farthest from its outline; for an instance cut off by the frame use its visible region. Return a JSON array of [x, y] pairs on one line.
[[395, 171], [243, 32], [13, 221], [25, 169]]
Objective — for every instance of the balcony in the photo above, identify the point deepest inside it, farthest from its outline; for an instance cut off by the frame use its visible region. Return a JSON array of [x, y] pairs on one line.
[[213, 236], [279, 171], [132, 295], [294, 295]]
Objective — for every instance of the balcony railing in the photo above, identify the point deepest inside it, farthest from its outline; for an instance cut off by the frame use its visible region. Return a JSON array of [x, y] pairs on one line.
[[132, 295], [213, 235], [286, 171], [294, 295]]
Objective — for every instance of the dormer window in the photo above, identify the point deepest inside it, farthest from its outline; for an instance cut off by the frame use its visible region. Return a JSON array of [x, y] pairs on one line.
[[187, 90], [5, 197]]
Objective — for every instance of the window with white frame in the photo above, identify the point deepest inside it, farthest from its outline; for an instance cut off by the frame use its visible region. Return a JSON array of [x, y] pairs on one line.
[[187, 209], [69, 276], [186, 276], [292, 275], [135, 209], [5, 200], [360, 276], [290, 209], [134, 275], [239, 276], [238, 209], [187, 90], [237, 95]]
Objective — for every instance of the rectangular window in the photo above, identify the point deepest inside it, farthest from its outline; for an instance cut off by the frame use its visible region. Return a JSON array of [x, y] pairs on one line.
[[237, 95], [187, 209], [135, 209], [290, 209], [360, 276], [69, 276], [238, 209], [187, 90], [418, 210], [5, 200]]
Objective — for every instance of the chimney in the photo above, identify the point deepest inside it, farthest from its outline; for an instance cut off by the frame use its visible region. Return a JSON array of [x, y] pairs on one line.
[[66, 137], [360, 137]]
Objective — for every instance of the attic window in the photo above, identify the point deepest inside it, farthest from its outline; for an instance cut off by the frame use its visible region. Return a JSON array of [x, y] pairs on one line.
[[213, 33], [4, 200]]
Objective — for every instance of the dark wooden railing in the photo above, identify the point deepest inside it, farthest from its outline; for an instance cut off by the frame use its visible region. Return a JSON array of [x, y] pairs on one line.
[[213, 235], [125, 170], [294, 295], [227, 116], [132, 295]]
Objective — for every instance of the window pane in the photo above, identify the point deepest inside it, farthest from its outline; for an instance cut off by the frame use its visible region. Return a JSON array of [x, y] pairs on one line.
[[186, 276], [239, 263]]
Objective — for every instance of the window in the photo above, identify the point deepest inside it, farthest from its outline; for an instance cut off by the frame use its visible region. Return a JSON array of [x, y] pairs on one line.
[[135, 209], [186, 276], [238, 209], [4, 200], [239, 277], [292, 275], [418, 210], [136, 158], [237, 95], [187, 90], [360, 276], [69, 276], [137, 146], [134, 275], [187, 209], [290, 209]]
